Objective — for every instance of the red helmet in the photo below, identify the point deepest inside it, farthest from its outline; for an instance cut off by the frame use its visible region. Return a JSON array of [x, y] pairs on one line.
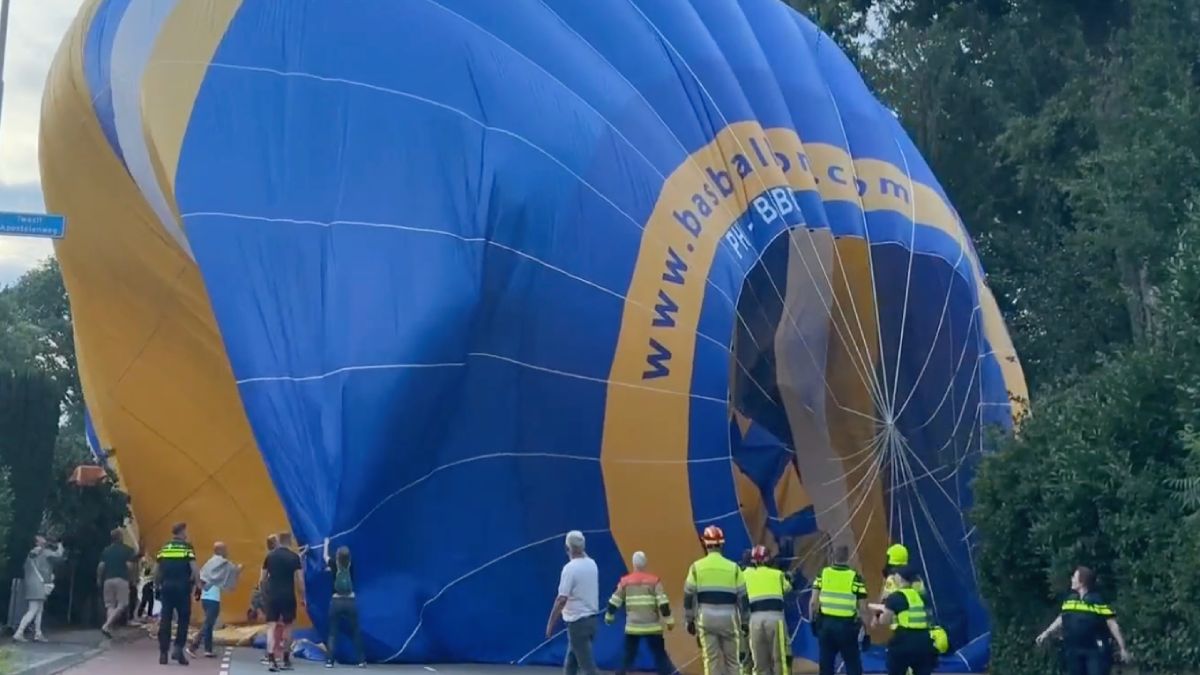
[[758, 554], [713, 536]]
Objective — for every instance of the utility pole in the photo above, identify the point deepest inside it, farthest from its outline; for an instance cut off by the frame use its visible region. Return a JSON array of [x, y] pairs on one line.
[[3, 45]]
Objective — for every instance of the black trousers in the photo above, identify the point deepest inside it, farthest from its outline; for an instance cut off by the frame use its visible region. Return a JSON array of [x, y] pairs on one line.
[[901, 657], [146, 608], [176, 604], [658, 647], [345, 611], [131, 608], [1086, 661], [839, 637]]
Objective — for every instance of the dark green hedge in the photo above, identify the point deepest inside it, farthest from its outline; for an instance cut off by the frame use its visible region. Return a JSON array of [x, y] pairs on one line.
[[29, 414], [1105, 473]]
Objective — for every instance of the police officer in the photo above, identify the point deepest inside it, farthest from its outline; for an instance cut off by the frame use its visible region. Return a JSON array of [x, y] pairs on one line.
[[1086, 622], [911, 648], [714, 603], [175, 577], [647, 609], [838, 602], [765, 588], [897, 558]]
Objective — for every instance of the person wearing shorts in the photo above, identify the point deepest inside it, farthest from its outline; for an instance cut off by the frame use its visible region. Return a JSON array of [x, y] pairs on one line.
[[282, 576], [113, 575]]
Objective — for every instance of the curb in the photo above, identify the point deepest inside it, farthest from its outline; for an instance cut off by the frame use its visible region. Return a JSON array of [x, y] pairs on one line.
[[59, 664]]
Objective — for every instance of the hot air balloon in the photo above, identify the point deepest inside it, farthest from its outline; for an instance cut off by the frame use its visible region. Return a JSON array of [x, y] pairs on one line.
[[441, 280]]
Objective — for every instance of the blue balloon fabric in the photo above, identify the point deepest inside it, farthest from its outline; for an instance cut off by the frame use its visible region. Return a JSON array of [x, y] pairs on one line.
[[487, 272]]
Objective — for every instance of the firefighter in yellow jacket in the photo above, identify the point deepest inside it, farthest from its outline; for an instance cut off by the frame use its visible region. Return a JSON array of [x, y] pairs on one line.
[[765, 589], [647, 610], [715, 605]]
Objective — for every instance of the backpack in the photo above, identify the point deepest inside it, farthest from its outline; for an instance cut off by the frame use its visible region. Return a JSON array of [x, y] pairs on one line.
[[342, 584]]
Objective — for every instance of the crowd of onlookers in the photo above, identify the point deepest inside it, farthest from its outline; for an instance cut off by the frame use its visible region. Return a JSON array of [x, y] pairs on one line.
[[134, 587]]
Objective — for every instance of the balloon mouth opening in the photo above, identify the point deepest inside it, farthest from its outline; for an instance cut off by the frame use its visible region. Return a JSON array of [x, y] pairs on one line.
[[777, 372]]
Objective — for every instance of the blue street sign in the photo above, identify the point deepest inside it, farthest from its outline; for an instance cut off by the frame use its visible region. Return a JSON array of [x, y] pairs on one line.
[[33, 225]]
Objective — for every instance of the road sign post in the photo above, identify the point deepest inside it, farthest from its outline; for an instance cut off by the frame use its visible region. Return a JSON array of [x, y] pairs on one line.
[[42, 225]]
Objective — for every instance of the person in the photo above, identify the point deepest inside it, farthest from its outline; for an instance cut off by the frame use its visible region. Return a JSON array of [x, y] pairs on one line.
[[112, 578], [39, 583], [343, 608], [282, 576], [219, 574], [647, 609], [258, 605], [577, 604], [146, 606], [1086, 622], [714, 603], [911, 646], [175, 577], [766, 587], [837, 605], [135, 596], [897, 559]]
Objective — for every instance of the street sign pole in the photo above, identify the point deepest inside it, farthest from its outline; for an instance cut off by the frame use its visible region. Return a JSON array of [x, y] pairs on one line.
[[3, 45]]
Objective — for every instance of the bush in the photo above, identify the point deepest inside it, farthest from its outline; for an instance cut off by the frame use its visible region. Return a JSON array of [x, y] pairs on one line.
[[1087, 483], [1104, 475]]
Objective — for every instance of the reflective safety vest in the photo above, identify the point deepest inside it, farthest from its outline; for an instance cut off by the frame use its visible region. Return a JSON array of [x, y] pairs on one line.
[[1077, 605], [645, 603], [175, 561], [765, 588], [889, 587], [841, 588], [176, 550], [913, 618], [714, 584]]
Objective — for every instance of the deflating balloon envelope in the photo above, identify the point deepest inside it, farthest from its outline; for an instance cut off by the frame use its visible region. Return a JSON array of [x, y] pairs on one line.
[[442, 280]]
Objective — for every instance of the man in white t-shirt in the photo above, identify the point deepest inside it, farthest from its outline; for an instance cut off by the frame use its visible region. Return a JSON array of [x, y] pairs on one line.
[[578, 603]]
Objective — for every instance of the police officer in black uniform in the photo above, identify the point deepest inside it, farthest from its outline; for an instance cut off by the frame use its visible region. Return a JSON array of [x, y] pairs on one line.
[[175, 578], [911, 648], [1086, 622]]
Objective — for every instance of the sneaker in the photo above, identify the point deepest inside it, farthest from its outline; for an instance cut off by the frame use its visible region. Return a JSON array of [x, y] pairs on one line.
[[40, 638], [362, 664], [329, 664], [106, 633], [20, 638], [179, 657], [162, 659], [210, 655], [191, 651], [272, 665]]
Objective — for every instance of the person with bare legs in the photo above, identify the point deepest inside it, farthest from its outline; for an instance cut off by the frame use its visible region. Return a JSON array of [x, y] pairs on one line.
[[282, 576], [112, 577]]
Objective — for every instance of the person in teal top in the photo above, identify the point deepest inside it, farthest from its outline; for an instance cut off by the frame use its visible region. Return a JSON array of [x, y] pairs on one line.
[[343, 609]]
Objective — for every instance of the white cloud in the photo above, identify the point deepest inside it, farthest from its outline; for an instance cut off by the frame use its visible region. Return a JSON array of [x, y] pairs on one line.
[[35, 29]]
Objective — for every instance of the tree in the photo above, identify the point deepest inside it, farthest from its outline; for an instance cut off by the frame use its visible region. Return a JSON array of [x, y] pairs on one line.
[[39, 300], [28, 430], [84, 517], [6, 511]]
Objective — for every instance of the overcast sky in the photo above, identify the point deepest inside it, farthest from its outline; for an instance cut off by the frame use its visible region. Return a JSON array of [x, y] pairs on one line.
[[35, 27]]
